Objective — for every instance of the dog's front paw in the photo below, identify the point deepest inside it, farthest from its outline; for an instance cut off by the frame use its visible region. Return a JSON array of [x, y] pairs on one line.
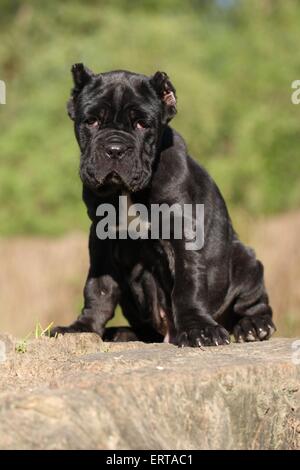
[[60, 330], [76, 327], [255, 328], [206, 336]]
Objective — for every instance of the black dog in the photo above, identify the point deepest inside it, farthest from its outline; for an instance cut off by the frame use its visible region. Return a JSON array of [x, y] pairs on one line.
[[191, 298]]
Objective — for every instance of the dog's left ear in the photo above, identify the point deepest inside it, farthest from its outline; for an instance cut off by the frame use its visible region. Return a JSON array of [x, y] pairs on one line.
[[167, 93], [81, 77]]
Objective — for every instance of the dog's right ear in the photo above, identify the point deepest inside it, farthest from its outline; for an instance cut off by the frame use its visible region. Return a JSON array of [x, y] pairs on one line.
[[81, 77], [167, 94]]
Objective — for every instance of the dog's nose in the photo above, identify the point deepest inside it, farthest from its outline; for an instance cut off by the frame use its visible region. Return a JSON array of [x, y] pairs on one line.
[[115, 150]]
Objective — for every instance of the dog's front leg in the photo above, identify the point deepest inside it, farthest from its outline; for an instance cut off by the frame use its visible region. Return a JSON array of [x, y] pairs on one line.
[[193, 321], [101, 291], [101, 295]]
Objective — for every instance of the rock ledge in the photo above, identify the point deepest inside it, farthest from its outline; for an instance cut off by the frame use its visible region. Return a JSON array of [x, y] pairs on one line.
[[76, 392]]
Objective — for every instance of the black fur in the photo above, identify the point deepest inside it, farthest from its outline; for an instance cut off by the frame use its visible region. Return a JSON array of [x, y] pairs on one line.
[[121, 124]]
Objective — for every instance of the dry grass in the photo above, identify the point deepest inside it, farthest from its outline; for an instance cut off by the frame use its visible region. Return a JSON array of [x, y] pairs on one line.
[[277, 244], [41, 279]]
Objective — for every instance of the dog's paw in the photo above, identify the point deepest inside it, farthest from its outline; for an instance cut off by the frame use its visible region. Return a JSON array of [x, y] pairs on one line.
[[60, 330], [255, 328], [76, 327], [119, 334], [206, 336]]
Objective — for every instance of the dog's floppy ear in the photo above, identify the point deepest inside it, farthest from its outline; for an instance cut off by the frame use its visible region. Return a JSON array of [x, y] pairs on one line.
[[81, 77], [166, 92]]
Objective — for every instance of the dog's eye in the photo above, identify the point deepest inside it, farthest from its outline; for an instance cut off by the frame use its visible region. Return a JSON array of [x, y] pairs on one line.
[[93, 123], [140, 124]]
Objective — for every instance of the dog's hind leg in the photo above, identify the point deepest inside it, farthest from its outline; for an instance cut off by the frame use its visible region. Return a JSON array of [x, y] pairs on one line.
[[251, 309], [119, 334]]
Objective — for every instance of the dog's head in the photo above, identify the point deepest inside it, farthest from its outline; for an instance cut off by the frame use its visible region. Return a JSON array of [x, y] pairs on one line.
[[119, 117]]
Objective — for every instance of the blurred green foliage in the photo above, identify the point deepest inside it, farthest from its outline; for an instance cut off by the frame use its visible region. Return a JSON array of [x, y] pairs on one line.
[[232, 63]]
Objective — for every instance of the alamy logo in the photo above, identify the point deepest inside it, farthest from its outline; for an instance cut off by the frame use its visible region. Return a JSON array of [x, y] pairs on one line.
[[2, 92], [160, 221], [2, 351], [295, 97], [296, 352]]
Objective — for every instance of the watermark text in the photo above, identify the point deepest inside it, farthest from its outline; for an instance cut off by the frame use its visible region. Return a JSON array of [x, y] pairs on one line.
[[160, 221], [2, 92]]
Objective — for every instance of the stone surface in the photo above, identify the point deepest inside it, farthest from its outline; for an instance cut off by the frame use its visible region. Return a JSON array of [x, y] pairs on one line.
[[75, 392]]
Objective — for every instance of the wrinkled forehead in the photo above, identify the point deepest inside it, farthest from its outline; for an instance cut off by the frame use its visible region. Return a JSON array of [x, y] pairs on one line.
[[120, 90]]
